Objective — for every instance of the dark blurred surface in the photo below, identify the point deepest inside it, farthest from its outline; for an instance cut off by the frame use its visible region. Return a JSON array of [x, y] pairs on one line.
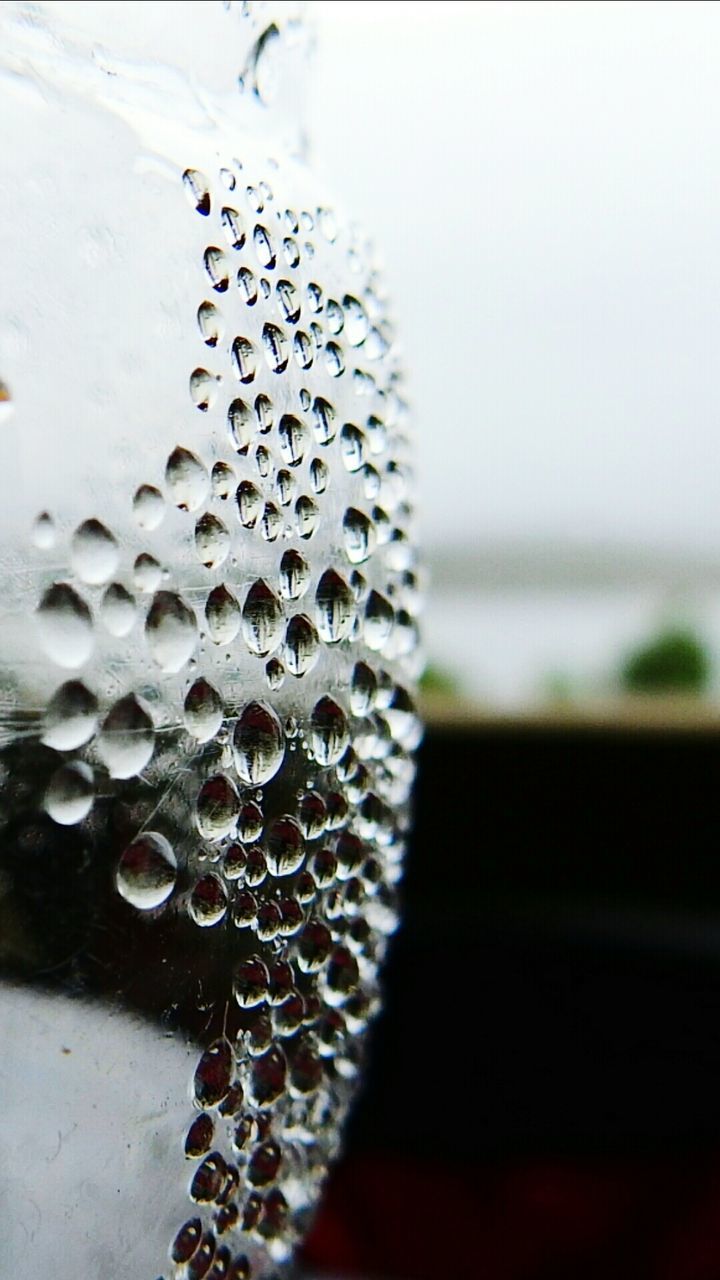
[[543, 1096]]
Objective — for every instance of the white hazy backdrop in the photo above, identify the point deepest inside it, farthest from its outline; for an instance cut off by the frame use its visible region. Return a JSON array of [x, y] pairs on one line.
[[543, 180]]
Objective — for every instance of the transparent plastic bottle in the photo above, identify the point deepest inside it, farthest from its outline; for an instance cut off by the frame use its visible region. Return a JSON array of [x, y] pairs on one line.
[[209, 640]]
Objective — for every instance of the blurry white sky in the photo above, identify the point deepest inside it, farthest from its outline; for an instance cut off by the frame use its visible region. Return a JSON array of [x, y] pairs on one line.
[[544, 182]]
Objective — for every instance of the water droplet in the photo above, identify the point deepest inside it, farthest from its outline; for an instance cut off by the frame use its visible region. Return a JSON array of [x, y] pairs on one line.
[[148, 507], [212, 541], [269, 1074], [187, 480], [250, 503], [264, 249], [301, 645], [250, 983], [196, 186], [203, 388], [356, 321], [240, 426], [71, 717], [319, 475], [314, 946], [363, 689], [171, 631], [323, 420], [379, 620], [222, 614], [244, 359], [276, 348], [274, 674], [303, 350], [147, 573], [258, 746], [323, 868], [232, 225], [117, 610], [334, 607], [264, 414], [256, 867], [353, 447], [210, 323], [247, 286], [223, 480], [312, 815], [294, 575], [264, 1164], [203, 711], [270, 522], [65, 626], [262, 619], [70, 793], [217, 807], [359, 536], [250, 822], [371, 481], [328, 731], [199, 1136], [342, 976], [127, 738], [285, 487], [147, 872], [186, 1241], [335, 317], [288, 301], [208, 902], [334, 362], [306, 516], [204, 1188], [43, 534], [291, 251], [95, 552], [293, 439], [216, 265], [244, 910], [285, 846]]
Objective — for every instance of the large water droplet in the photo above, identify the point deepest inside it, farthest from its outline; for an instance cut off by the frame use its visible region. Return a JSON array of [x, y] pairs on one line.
[[328, 731], [293, 439], [71, 717], [203, 711], [258, 744], [222, 613], [117, 610], [262, 619], [213, 1074], [294, 575], [285, 846], [171, 631], [127, 738], [217, 807], [208, 902], [301, 645], [334, 607], [212, 541], [359, 536], [187, 480], [70, 793], [65, 626], [147, 871]]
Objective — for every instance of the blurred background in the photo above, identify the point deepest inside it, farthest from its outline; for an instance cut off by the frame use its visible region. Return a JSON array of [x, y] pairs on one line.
[[543, 180]]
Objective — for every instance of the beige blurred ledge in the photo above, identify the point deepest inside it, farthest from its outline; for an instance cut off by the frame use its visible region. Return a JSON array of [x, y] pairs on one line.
[[640, 713]]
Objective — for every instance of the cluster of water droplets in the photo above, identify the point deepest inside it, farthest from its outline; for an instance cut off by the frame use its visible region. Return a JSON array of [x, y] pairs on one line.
[[281, 670]]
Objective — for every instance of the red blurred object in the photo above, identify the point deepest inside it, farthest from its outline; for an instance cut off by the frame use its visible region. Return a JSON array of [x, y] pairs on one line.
[[632, 1219]]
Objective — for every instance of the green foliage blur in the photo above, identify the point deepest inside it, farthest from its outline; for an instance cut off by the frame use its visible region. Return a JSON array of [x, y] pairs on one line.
[[674, 661]]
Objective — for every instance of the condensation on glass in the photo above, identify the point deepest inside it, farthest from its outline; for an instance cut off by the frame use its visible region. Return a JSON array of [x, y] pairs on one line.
[[209, 638]]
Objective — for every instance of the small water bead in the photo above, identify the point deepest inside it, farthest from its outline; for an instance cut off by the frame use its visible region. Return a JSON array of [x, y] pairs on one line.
[[372, 482], [148, 507], [275, 674], [328, 731], [312, 815], [221, 1264], [353, 447], [147, 872], [270, 522], [203, 711], [199, 1137], [265, 287], [301, 645], [244, 358], [213, 1074], [70, 793], [94, 552], [197, 190], [222, 614], [127, 738], [294, 439], [358, 535], [285, 846], [285, 486], [208, 902], [334, 607], [335, 317], [314, 946], [187, 480], [186, 1241], [305, 889], [65, 626], [288, 301], [342, 976], [323, 868], [356, 320], [241, 425], [250, 821], [204, 1189], [234, 862], [244, 910], [315, 298], [256, 867], [323, 421], [212, 541], [71, 717], [262, 619], [171, 631], [379, 620], [247, 286], [358, 586], [292, 918], [264, 1164], [258, 747], [291, 251], [250, 983], [43, 531], [232, 225], [254, 199], [294, 575], [376, 345], [319, 475], [250, 503], [263, 462], [210, 323], [334, 361], [147, 573], [306, 516], [304, 398], [117, 610], [267, 927], [217, 267], [268, 1079], [264, 413], [337, 810], [217, 807], [204, 388], [383, 527], [303, 350], [264, 248], [223, 480], [276, 348]]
